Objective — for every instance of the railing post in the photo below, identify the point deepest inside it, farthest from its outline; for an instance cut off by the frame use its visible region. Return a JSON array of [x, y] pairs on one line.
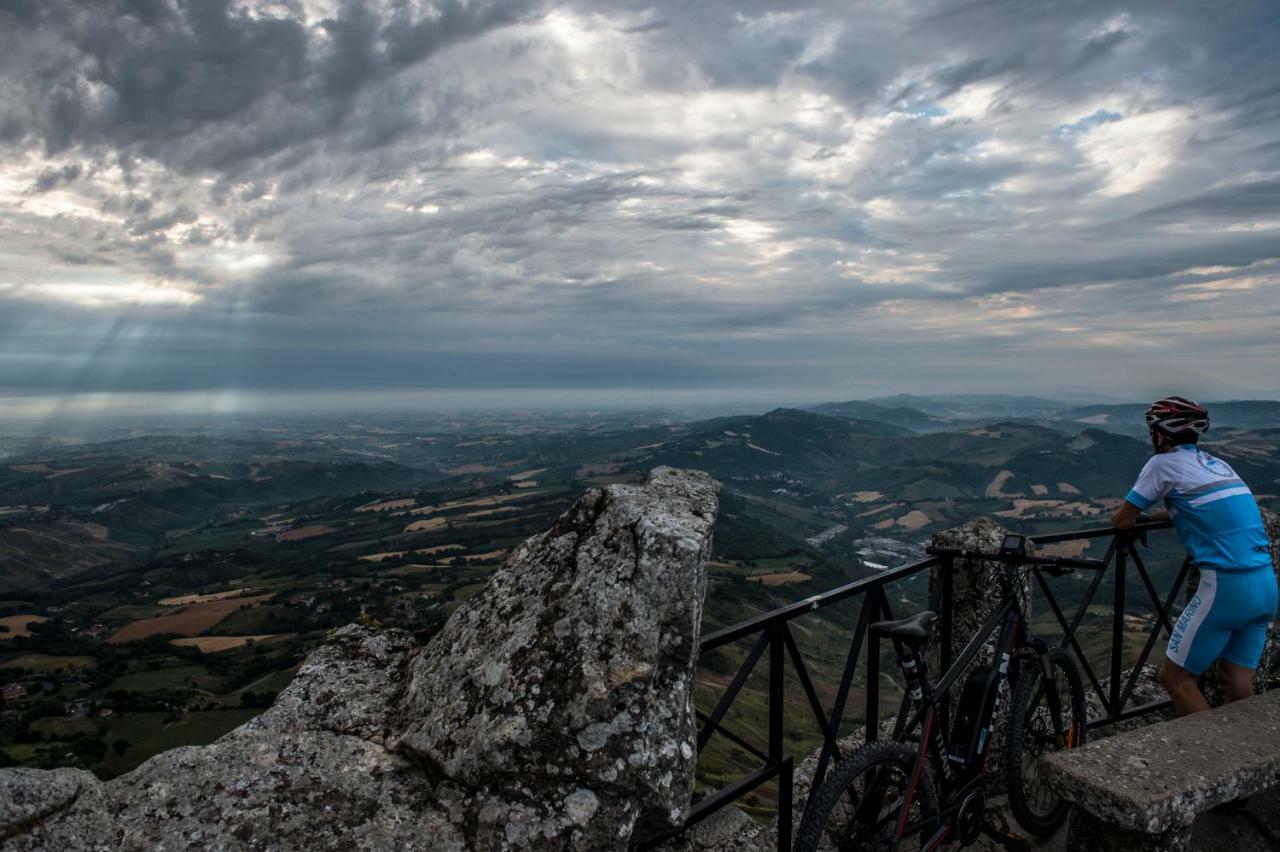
[[948, 626], [776, 703], [784, 805], [871, 717], [1117, 628], [776, 651]]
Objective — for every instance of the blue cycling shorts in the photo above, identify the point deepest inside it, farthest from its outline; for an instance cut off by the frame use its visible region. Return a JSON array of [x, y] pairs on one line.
[[1227, 619]]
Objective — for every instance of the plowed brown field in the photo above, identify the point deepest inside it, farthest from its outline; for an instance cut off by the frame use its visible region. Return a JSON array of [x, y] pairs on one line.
[[191, 621]]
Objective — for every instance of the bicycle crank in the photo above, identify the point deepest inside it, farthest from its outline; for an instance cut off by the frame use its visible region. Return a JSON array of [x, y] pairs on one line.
[[1001, 834]]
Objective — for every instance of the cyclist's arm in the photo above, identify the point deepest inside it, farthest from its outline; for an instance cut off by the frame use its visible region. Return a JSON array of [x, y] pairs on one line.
[[1126, 516]]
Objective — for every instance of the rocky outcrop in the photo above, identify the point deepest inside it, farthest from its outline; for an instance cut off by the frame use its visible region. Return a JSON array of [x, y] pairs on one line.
[[575, 669], [552, 711]]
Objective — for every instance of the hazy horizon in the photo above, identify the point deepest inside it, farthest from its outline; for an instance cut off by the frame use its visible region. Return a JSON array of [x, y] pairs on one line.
[[68, 414]]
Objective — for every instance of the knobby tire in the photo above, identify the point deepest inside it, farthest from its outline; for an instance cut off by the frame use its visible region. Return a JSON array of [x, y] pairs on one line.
[[843, 782], [1027, 737]]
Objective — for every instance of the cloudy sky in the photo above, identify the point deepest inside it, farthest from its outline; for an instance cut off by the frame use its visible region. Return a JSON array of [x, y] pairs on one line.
[[601, 201]]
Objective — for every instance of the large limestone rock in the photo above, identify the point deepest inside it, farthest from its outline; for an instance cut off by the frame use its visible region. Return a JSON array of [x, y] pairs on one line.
[[552, 712], [564, 693]]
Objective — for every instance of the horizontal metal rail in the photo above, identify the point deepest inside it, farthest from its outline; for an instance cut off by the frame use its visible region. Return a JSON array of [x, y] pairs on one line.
[[774, 646]]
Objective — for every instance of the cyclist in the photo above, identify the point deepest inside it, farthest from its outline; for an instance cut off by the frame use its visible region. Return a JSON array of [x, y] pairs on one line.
[[1221, 528]]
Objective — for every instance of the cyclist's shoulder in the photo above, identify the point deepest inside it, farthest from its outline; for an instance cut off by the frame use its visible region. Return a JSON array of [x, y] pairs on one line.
[[1174, 469], [1159, 463]]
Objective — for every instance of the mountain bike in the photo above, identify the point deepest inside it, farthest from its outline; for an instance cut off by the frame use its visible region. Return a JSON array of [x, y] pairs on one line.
[[927, 786]]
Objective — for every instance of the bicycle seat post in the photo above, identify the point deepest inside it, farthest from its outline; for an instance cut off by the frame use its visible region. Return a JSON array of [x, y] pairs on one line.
[[914, 668]]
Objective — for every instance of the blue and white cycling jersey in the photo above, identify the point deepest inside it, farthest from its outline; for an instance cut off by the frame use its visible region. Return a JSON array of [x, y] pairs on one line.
[[1213, 511]]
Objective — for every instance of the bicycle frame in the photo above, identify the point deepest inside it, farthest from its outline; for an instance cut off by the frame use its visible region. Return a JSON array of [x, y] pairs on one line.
[[956, 785]]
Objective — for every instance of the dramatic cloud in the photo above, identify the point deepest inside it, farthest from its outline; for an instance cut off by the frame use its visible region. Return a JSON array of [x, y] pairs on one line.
[[747, 198]]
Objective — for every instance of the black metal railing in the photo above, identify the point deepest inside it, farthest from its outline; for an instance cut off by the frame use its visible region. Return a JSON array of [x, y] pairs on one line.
[[771, 635]]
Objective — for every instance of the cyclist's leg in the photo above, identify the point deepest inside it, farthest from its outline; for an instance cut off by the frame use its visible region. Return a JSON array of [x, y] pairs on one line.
[[1255, 600], [1198, 639], [1182, 688], [1236, 680]]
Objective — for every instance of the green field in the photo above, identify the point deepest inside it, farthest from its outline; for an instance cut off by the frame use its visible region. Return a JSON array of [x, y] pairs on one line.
[[48, 663], [274, 682], [175, 677], [65, 729], [148, 734], [133, 612]]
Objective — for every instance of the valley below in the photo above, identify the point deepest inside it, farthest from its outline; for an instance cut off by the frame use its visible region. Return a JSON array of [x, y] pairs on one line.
[[159, 586]]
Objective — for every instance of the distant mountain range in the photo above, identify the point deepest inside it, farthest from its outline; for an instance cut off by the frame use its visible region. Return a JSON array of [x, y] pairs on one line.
[[942, 413]]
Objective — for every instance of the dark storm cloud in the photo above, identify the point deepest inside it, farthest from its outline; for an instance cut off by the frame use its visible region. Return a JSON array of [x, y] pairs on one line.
[[321, 194], [204, 84]]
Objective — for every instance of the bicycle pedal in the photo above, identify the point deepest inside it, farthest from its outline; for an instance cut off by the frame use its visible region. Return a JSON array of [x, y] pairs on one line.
[[1006, 838]]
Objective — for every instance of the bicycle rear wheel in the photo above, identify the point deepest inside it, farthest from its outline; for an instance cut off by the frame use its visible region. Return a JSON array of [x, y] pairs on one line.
[[1046, 716], [859, 805]]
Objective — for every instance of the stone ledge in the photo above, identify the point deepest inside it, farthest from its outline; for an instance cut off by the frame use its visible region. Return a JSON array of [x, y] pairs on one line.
[[1157, 779]]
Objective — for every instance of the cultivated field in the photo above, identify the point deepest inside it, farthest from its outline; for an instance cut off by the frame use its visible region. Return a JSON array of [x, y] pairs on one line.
[[214, 644], [422, 551], [19, 625], [303, 533], [1070, 549], [996, 488], [187, 600], [387, 505], [780, 579], [473, 502], [913, 520], [48, 663], [427, 525], [190, 622]]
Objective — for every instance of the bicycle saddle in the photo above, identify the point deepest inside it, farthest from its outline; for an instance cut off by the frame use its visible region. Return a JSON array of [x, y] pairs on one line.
[[913, 629]]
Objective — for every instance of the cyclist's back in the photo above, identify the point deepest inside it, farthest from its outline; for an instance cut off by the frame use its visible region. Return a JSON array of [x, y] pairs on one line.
[[1214, 512]]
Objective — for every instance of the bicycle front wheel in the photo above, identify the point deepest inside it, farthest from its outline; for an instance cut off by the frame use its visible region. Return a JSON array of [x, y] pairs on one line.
[[1046, 715], [859, 805]]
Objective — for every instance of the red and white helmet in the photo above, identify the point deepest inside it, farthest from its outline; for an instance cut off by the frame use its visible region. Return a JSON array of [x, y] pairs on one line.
[[1176, 415]]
